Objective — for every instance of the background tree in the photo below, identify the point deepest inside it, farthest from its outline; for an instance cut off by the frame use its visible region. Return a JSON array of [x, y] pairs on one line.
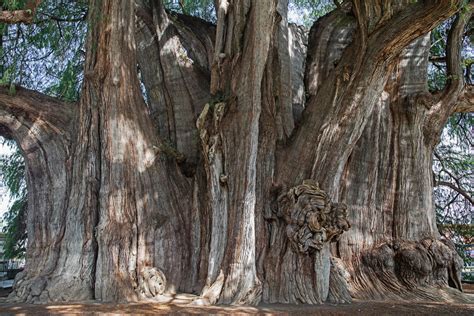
[[224, 183], [12, 169]]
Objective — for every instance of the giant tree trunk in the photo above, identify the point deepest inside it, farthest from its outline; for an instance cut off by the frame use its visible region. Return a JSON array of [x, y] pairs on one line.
[[394, 249], [221, 185]]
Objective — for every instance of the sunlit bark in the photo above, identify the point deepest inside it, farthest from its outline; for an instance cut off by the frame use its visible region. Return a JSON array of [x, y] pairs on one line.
[[227, 182]]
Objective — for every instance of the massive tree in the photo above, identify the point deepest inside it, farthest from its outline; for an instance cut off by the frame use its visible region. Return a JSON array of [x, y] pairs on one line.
[[220, 177]]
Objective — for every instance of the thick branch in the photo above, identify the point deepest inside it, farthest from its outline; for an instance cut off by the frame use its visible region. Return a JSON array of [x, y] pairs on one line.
[[50, 17], [453, 53], [465, 102], [34, 106], [410, 23], [20, 16], [335, 117], [174, 57]]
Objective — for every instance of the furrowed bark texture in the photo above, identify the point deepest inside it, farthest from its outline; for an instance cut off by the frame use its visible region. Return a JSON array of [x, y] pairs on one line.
[[394, 249], [264, 166], [116, 223], [139, 208], [60, 252], [246, 47], [342, 98]]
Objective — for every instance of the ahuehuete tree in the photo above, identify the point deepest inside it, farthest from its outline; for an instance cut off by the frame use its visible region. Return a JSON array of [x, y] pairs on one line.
[[229, 182]]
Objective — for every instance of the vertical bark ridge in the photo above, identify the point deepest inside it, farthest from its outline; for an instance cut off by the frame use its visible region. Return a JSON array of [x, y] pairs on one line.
[[142, 194], [243, 53], [44, 129], [174, 56], [445, 105]]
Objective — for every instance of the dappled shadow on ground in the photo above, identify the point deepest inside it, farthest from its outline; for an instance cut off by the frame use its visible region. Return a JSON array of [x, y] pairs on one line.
[[358, 307]]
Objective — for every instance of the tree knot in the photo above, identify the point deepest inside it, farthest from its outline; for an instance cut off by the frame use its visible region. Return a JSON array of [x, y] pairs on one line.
[[152, 282], [311, 218]]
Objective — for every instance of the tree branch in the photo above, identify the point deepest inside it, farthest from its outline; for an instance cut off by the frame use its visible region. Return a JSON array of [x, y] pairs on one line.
[[457, 189], [334, 119], [20, 16], [448, 101], [453, 54], [34, 106], [465, 102], [50, 17], [437, 59]]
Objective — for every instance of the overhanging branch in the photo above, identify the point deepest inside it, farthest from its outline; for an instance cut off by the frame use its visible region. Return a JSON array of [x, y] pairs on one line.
[[34, 106], [20, 16]]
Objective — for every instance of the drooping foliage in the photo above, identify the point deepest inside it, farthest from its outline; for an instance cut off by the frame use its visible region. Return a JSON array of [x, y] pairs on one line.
[[12, 174], [203, 9], [307, 11], [48, 54]]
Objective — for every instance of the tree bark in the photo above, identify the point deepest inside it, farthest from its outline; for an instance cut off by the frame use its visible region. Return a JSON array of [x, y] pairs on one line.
[[44, 129], [398, 253], [227, 182]]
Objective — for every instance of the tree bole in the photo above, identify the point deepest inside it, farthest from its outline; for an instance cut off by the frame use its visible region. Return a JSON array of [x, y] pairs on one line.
[[228, 183]]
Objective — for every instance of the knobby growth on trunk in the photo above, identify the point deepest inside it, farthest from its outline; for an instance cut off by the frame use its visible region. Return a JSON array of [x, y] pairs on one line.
[[251, 173]]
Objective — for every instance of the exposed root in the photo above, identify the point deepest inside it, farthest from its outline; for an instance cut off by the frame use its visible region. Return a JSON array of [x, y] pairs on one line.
[[426, 270], [152, 282]]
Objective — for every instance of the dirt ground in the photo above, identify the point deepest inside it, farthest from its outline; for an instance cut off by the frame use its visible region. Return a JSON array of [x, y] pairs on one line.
[[356, 308]]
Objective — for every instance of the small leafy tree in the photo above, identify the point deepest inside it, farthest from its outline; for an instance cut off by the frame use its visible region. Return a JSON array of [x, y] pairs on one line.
[[12, 173]]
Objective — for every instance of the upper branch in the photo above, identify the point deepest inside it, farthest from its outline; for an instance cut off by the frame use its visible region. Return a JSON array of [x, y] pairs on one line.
[[409, 23], [336, 114], [459, 190], [20, 16], [455, 81], [33, 107], [457, 96]]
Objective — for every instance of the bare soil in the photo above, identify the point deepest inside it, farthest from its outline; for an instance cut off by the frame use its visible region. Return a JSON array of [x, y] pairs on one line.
[[356, 308]]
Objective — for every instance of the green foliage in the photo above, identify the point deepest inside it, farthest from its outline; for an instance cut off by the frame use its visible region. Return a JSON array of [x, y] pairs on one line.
[[13, 4], [437, 76], [15, 229], [203, 9], [300, 11], [47, 55], [12, 170], [306, 12], [67, 86], [454, 164]]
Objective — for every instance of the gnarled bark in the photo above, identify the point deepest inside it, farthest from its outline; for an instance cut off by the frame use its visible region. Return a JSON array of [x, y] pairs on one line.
[[221, 185], [44, 130], [398, 253]]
